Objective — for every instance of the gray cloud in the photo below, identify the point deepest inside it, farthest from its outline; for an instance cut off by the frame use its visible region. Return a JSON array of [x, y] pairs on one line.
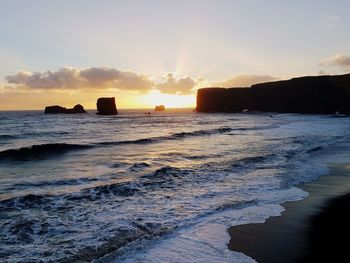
[[100, 75], [182, 86], [63, 78], [69, 78], [72, 78], [338, 60], [244, 81]]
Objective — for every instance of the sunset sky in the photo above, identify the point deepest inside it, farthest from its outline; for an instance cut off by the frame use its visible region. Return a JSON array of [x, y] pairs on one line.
[[159, 52]]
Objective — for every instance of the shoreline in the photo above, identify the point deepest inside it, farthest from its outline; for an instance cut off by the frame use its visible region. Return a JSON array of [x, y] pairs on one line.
[[291, 236]]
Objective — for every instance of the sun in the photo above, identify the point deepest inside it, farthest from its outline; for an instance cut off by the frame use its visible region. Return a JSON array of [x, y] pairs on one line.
[[168, 100]]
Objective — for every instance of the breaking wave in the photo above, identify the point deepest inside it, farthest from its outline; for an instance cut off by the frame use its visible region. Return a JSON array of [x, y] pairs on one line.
[[175, 136], [7, 136], [39, 151]]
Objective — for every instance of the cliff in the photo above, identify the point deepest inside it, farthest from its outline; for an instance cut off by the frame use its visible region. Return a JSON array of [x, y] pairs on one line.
[[313, 95]]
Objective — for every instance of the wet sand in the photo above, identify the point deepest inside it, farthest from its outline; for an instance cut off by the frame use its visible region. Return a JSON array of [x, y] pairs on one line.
[[308, 231]]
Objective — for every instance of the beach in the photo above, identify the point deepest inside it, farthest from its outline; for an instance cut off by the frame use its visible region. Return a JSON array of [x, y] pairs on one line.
[[307, 231]]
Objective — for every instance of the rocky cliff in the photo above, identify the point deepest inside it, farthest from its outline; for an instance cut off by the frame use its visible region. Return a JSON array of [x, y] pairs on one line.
[[314, 95]]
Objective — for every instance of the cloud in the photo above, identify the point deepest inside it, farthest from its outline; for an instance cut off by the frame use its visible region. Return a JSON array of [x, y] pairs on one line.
[[183, 86], [69, 79], [63, 78], [244, 81], [2, 89], [73, 78], [338, 60], [120, 79]]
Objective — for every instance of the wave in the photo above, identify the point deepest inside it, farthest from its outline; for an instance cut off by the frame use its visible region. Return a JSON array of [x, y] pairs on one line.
[[47, 201], [55, 183], [45, 133], [252, 160], [315, 149], [166, 177], [26, 201], [175, 136], [119, 236], [45, 150], [118, 164], [7, 136], [172, 155], [34, 134], [166, 173], [39, 151], [25, 231], [131, 232], [124, 189], [138, 166], [248, 162], [162, 177]]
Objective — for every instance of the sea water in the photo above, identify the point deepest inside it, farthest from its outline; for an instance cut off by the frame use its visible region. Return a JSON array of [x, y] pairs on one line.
[[162, 187]]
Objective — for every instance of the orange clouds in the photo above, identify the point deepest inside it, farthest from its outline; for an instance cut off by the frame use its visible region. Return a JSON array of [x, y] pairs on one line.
[[72, 78], [69, 78], [339, 60]]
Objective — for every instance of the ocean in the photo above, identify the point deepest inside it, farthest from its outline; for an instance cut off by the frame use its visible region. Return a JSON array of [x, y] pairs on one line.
[[162, 187]]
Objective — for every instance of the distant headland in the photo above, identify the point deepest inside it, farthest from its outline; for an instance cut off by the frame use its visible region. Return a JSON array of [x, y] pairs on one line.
[[310, 95]]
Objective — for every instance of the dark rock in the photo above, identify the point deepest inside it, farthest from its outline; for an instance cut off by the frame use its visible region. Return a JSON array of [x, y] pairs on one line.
[[78, 109], [106, 106], [55, 109], [159, 108], [312, 95], [58, 109]]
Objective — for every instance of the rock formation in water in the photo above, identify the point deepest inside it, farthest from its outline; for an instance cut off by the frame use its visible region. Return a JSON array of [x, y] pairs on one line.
[[59, 109], [106, 106], [159, 108], [312, 95]]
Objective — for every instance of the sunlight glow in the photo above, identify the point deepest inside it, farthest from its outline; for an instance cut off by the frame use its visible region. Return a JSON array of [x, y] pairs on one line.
[[169, 101]]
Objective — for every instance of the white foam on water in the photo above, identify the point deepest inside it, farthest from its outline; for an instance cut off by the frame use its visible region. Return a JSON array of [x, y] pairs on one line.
[[207, 240], [200, 181]]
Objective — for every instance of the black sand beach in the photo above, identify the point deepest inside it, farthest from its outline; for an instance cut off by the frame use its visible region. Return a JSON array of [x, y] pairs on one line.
[[311, 230]]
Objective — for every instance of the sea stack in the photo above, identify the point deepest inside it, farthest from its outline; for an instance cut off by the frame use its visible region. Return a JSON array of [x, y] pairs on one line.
[[106, 106], [159, 108], [59, 109]]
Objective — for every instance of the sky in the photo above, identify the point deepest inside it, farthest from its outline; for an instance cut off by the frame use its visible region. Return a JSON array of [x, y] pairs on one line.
[[160, 51]]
